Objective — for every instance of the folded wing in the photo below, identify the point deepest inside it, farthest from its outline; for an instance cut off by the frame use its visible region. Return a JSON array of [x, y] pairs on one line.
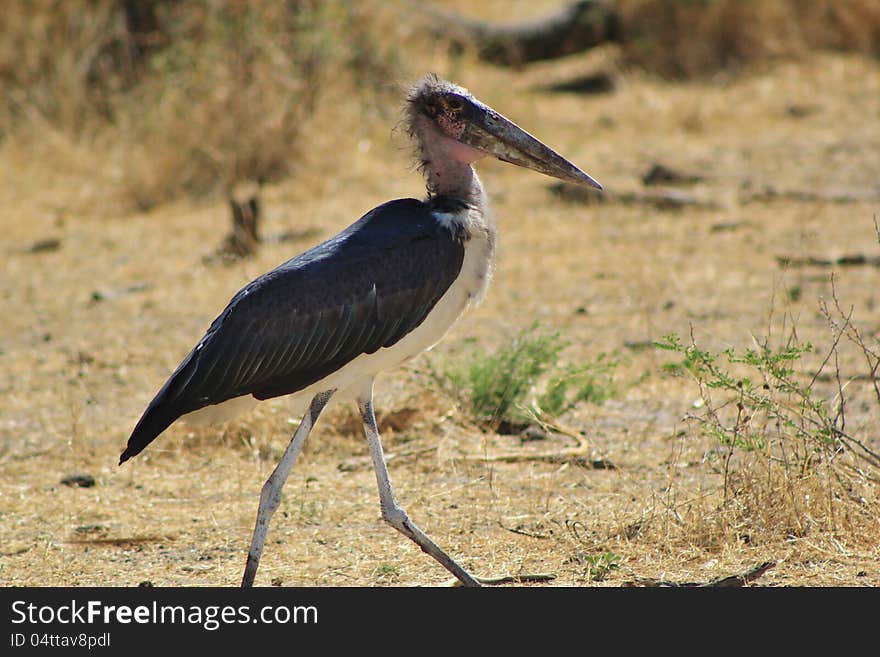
[[363, 290]]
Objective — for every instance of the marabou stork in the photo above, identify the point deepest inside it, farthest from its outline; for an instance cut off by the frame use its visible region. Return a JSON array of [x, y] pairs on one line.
[[385, 289]]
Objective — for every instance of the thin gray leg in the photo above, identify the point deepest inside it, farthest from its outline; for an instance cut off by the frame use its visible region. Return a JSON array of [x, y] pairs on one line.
[[392, 512], [270, 497]]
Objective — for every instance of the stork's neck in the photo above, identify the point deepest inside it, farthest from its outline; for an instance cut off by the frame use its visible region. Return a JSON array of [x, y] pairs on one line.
[[447, 165]]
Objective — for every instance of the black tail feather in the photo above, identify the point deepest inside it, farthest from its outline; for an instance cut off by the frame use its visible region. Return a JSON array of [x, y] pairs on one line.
[[168, 405], [154, 421]]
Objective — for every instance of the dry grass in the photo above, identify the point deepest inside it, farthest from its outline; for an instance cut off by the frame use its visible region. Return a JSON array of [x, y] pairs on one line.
[[698, 37], [197, 99], [76, 372], [191, 99]]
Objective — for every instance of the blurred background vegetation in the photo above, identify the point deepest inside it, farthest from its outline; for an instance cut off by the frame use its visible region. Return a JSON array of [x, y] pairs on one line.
[[173, 98]]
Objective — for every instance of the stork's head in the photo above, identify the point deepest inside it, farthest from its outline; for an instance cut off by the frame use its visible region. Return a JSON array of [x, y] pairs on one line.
[[468, 129]]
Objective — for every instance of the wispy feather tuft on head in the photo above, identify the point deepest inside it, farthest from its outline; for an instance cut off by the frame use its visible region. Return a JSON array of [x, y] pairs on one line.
[[452, 130]]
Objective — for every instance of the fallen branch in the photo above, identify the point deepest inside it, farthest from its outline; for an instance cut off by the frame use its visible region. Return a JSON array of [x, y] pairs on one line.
[[509, 579], [523, 532], [123, 541], [662, 199], [769, 194], [578, 455], [729, 581], [849, 260], [578, 27], [358, 462]]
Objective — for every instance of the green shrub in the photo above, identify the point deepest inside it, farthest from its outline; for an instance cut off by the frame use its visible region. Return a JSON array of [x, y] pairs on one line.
[[523, 381]]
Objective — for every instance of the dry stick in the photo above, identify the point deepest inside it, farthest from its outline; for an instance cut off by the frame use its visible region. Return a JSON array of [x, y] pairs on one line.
[[661, 199], [851, 259], [523, 532], [509, 579], [740, 579], [506, 579], [743, 578], [839, 196], [358, 462], [120, 541], [579, 455]]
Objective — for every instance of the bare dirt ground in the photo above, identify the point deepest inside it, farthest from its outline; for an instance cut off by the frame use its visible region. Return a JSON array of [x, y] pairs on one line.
[[93, 324]]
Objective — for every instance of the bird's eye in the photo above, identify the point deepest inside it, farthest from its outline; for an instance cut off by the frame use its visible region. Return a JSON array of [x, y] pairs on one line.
[[431, 109], [454, 103]]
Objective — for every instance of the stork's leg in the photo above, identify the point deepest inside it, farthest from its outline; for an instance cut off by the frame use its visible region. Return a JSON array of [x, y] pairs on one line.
[[270, 497], [392, 512]]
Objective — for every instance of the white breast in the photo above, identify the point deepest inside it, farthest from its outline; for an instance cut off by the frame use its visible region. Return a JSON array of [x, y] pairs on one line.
[[468, 289]]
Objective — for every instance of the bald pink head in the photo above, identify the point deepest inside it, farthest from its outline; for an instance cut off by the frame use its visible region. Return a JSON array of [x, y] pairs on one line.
[[454, 129]]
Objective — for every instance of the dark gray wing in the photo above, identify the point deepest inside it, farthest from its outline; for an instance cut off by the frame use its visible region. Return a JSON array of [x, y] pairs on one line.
[[360, 291]]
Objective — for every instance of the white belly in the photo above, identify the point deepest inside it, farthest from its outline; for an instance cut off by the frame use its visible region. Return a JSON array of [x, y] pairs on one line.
[[468, 289]]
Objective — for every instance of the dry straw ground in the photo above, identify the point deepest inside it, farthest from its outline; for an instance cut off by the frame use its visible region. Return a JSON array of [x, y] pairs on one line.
[[101, 300]]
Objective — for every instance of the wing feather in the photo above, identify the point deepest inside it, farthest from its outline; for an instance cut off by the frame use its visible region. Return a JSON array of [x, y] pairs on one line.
[[362, 290]]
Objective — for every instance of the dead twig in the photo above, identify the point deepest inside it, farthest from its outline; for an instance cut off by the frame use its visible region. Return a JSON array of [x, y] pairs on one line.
[[358, 462], [729, 581], [661, 199], [579, 455], [123, 541], [768, 194], [523, 532], [848, 260], [509, 579]]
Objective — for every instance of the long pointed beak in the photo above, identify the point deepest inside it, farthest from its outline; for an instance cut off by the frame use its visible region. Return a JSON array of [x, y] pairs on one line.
[[490, 132]]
